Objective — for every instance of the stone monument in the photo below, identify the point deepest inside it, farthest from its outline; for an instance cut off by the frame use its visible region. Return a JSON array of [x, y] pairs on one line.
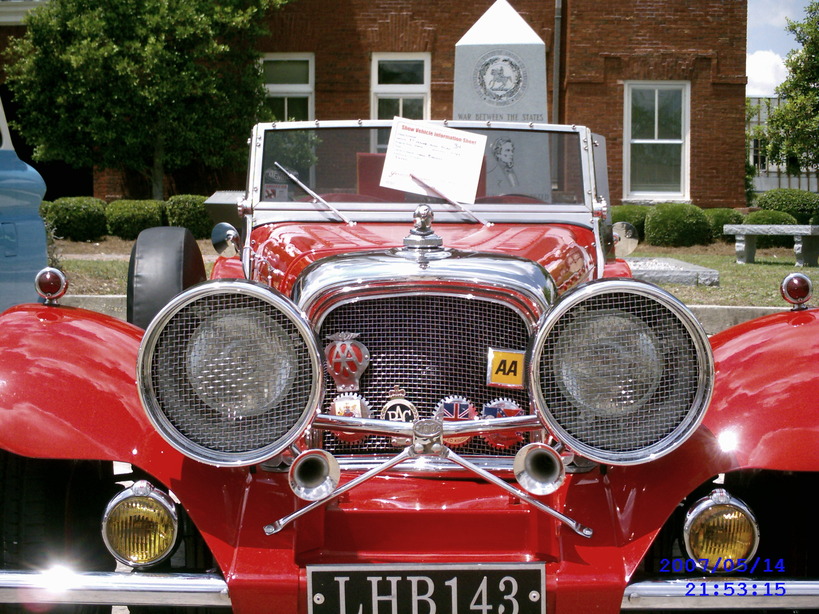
[[500, 76], [500, 69]]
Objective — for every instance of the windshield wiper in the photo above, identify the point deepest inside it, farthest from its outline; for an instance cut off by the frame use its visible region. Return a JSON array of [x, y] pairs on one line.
[[451, 201], [316, 197]]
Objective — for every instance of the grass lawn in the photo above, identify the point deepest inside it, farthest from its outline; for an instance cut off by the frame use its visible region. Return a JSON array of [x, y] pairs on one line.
[[754, 284], [747, 284]]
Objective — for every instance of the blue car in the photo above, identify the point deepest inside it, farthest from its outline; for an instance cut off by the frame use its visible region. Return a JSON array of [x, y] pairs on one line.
[[22, 232]]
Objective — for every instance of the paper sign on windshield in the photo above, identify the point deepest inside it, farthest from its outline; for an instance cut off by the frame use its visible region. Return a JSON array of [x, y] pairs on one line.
[[420, 154]]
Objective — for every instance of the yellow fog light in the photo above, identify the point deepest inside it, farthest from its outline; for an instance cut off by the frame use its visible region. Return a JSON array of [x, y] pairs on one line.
[[720, 533], [140, 525]]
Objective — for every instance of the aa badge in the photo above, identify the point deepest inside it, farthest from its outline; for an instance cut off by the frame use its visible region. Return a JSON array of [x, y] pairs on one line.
[[347, 359], [504, 368]]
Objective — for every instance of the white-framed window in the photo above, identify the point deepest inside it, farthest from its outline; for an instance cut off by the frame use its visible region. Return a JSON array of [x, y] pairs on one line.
[[656, 140], [289, 79], [400, 84]]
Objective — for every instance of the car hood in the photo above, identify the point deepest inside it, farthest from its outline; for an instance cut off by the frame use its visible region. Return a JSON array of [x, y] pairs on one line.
[[284, 250]]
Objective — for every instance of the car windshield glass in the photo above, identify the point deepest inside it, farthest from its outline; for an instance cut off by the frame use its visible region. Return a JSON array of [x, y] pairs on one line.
[[345, 165]]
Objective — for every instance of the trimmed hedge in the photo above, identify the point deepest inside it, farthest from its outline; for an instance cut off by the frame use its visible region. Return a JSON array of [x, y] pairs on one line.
[[634, 215], [771, 217], [801, 204], [127, 218], [720, 216], [78, 218], [188, 211], [677, 225]]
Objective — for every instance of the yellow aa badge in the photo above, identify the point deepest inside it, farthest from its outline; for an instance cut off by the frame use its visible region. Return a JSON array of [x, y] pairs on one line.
[[504, 368]]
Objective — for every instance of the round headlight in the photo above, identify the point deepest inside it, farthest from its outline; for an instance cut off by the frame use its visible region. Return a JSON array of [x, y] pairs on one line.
[[620, 371], [139, 527], [230, 373], [718, 529]]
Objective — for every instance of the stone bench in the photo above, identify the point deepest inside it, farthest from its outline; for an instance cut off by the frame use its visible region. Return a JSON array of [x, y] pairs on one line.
[[805, 240]]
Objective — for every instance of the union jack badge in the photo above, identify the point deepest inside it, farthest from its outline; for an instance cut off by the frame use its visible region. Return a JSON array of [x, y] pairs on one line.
[[400, 410], [347, 359], [351, 406], [455, 408], [502, 408]]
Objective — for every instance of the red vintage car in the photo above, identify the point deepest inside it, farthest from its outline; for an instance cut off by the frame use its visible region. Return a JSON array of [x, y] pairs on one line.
[[391, 401]]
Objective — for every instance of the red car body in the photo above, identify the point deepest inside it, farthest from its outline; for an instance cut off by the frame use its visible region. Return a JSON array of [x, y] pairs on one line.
[[67, 391]]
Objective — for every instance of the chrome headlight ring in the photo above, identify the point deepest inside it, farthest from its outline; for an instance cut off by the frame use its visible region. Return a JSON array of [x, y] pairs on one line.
[[229, 373], [620, 371]]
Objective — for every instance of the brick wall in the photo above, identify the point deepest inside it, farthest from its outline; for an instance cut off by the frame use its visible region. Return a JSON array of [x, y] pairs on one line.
[[702, 42], [604, 44]]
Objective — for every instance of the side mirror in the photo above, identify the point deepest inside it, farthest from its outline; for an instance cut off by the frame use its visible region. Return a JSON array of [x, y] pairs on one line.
[[625, 239], [226, 240]]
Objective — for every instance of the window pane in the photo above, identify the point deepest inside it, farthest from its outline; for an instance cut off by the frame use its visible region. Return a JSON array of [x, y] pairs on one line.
[[642, 114], [669, 114], [413, 108], [400, 72], [286, 71], [656, 168], [389, 108], [297, 108], [276, 105]]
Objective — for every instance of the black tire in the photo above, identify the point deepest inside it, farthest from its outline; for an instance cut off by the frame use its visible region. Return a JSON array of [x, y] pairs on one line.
[[164, 261], [42, 523]]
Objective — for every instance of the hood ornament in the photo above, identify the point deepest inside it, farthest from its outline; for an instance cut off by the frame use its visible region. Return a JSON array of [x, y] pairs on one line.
[[422, 236]]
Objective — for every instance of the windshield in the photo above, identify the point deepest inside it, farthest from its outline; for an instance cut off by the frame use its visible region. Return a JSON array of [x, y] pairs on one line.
[[345, 165]]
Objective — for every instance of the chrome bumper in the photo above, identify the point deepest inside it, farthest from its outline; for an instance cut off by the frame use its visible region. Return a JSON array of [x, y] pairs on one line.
[[710, 594], [113, 588]]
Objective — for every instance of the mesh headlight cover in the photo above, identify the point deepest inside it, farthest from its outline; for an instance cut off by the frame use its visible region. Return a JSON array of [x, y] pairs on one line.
[[229, 373], [621, 372]]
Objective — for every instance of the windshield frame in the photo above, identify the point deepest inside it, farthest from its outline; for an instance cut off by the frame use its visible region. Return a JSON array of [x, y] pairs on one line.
[[311, 211]]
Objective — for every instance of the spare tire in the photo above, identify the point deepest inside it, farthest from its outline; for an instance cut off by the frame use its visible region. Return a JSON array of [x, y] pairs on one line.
[[164, 261]]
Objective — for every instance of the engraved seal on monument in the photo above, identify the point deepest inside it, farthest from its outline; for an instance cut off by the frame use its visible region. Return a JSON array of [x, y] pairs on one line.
[[500, 77]]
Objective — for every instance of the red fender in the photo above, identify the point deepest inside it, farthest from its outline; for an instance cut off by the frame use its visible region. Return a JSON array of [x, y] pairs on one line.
[[67, 385], [764, 410], [68, 390]]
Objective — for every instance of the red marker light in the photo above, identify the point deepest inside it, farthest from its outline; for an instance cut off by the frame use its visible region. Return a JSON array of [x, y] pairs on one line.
[[51, 284], [796, 288]]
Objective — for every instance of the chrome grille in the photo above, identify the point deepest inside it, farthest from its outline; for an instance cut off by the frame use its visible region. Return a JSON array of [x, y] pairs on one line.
[[432, 347]]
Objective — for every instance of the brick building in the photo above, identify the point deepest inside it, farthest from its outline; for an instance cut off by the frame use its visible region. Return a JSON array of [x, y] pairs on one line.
[[662, 80]]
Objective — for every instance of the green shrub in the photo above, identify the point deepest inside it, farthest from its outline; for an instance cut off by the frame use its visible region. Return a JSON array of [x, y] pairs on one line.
[[188, 211], [720, 216], [634, 215], [127, 218], [771, 217], [78, 218], [677, 225], [801, 204]]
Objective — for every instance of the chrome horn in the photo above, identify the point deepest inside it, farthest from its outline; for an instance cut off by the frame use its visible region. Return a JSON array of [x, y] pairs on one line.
[[539, 469], [314, 475]]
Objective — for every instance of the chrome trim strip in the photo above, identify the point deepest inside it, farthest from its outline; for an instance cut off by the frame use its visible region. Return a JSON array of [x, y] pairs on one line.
[[265, 213], [519, 284], [375, 426], [671, 594], [387, 123], [113, 588]]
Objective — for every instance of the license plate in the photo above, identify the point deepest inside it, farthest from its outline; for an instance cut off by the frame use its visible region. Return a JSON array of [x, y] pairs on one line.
[[487, 588]]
